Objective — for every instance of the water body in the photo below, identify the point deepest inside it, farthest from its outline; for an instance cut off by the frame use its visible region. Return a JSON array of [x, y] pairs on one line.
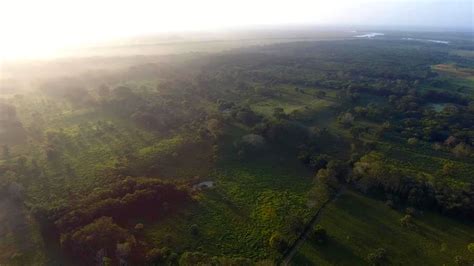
[[369, 35], [426, 40]]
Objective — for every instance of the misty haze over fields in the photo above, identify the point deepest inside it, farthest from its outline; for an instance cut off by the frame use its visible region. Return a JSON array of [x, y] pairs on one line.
[[236, 132]]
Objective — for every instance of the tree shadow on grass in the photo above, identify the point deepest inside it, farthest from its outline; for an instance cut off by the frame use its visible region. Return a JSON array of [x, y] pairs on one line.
[[332, 252], [301, 260]]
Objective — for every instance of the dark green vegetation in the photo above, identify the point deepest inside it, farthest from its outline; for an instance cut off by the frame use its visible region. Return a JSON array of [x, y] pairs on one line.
[[223, 159]]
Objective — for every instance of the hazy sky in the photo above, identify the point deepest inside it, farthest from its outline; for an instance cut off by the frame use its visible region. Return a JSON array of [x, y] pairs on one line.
[[29, 26]]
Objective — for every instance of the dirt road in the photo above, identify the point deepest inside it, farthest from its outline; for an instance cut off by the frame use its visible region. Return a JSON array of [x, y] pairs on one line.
[[307, 230]]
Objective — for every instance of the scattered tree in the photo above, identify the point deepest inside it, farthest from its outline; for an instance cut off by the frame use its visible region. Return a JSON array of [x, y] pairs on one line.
[[320, 235], [377, 257], [277, 242], [407, 221]]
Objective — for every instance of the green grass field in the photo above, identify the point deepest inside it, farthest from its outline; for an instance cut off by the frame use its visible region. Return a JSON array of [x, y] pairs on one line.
[[357, 225], [249, 202], [291, 100]]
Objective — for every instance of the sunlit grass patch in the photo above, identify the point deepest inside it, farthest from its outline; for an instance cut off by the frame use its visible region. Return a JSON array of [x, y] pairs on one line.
[[249, 202]]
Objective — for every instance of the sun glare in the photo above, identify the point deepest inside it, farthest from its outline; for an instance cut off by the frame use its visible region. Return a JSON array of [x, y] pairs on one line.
[[236, 132], [45, 28], [31, 28]]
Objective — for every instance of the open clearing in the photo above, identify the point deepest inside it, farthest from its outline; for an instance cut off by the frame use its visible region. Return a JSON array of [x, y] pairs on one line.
[[357, 225], [454, 70]]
